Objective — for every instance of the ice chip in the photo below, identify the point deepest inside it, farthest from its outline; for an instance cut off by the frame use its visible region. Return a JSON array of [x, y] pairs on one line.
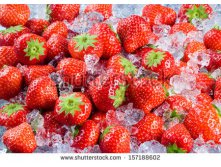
[[201, 58], [91, 61], [159, 111], [126, 10], [216, 73], [38, 11], [65, 88], [92, 149], [152, 147], [161, 30], [56, 139], [62, 148], [3, 102], [35, 119]]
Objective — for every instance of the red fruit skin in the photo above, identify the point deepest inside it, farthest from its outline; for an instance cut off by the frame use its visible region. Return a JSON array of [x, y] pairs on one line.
[[20, 139], [35, 71], [217, 90], [104, 9], [88, 135], [205, 83], [149, 128], [10, 82], [57, 27], [14, 14], [61, 12], [204, 99], [21, 45], [178, 135], [79, 117], [112, 44], [99, 118], [157, 14], [212, 39], [117, 140], [215, 60], [8, 39], [7, 56], [182, 27], [178, 102], [37, 26], [41, 94]]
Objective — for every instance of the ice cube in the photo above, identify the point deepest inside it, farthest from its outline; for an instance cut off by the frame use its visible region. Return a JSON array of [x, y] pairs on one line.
[[201, 58], [152, 147], [161, 30], [194, 36], [3, 102], [91, 61], [20, 98], [44, 149], [35, 119], [38, 11], [65, 88], [159, 111], [56, 139], [136, 60], [216, 73], [62, 148], [3, 148], [42, 138], [198, 23], [126, 10], [92, 149], [113, 21], [134, 144]]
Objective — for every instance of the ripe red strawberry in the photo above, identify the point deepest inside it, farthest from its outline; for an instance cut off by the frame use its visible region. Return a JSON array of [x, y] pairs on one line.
[[104, 9], [99, 117], [108, 91], [161, 62], [120, 64], [41, 94], [60, 12], [12, 114], [57, 27], [191, 48], [7, 56], [115, 139], [204, 99], [204, 120], [205, 83], [110, 40], [149, 128], [178, 102], [87, 136], [134, 32], [217, 90], [146, 94], [211, 39], [194, 11], [14, 14], [57, 45], [72, 109], [30, 49], [9, 35], [20, 139], [35, 71], [10, 82], [37, 26], [177, 139], [182, 27], [72, 71], [157, 14], [215, 60], [85, 44]]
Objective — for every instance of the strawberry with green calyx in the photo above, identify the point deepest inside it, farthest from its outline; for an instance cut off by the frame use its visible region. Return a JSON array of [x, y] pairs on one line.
[[31, 49], [212, 39], [37, 26], [7, 56], [72, 109]]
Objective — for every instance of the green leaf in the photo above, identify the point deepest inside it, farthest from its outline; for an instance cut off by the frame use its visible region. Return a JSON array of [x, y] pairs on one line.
[[12, 30], [119, 97], [174, 149], [217, 109], [106, 131], [154, 58], [12, 108], [129, 68], [83, 41], [197, 12]]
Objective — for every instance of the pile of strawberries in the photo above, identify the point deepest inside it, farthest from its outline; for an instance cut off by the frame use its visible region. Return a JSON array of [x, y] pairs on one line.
[[31, 50]]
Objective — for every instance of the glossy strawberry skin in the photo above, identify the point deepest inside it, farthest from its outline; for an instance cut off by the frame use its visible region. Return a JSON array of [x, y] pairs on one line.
[[104, 9], [204, 99], [182, 27], [88, 135], [20, 139], [211, 39], [37, 26], [205, 83], [215, 60], [178, 102], [217, 90], [7, 56]]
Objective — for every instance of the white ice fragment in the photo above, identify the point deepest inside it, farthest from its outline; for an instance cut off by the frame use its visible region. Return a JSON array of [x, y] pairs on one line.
[[159, 111], [91, 61], [35, 119], [152, 147], [38, 11], [216, 73], [161, 30]]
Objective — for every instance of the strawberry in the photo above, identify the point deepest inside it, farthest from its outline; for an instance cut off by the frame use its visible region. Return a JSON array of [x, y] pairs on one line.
[[204, 99], [120, 64], [217, 90], [72, 71], [57, 27], [41, 94], [134, 32], [108, 91], [10, 82], [204, 119], [72, 109], [99, 118], [20, 139], [149, 128], [37, 26], [205, 83], [57, 45], [211, 39], [160, 62], [177, 139], [191, 48], [9, 35], [14, 14], [194, 11], [146, 94], [12, 114], [110, 40], [7, 56], [87, 136], [182, 27], [85, 44], [30, 49], [115, 139], [35, 71], [158, 14], [104, 9], [215, 60], [61, 12]]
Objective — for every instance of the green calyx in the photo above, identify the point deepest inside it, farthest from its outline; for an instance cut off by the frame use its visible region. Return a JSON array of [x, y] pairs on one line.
[[174, 149], [48, 11], [129, 68], [152, 46], [70, 104], [106, 131], [197, 12], [217, 109], [12, 30], [84, 41], [217, 27], [154, 58], [34, 49], [74, 131], [119, 97], [167, 94], [12, 108], [175, 114]]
